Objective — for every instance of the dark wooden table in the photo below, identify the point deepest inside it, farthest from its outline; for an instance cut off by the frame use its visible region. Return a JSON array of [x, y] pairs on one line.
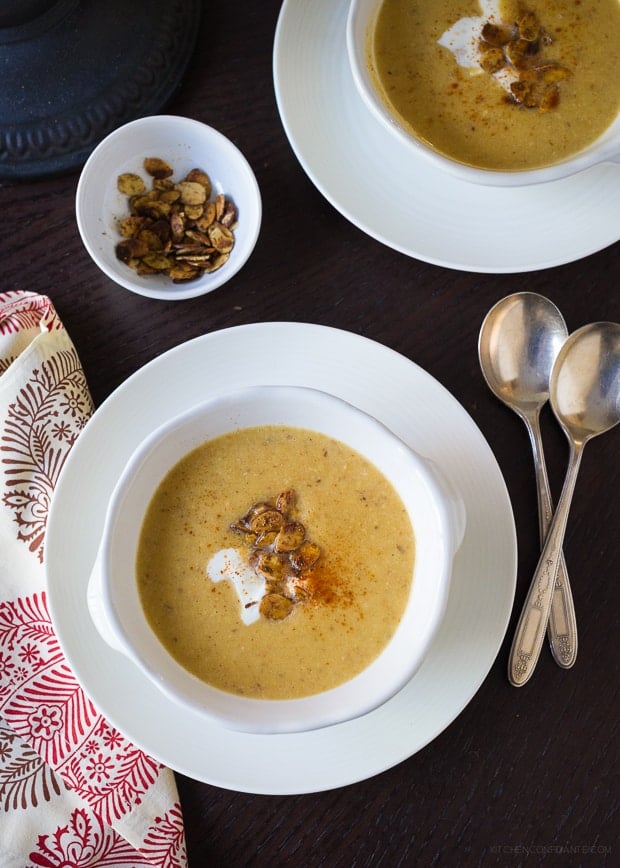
[[522, 775]]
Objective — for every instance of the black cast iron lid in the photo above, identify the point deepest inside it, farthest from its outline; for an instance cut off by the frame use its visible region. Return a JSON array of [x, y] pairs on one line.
[[71, 71]]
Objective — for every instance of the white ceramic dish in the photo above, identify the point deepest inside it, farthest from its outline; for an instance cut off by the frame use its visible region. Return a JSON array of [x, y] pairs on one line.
[[361, 18], [405, 203], [435, 513], [380, 382], [185, 144]]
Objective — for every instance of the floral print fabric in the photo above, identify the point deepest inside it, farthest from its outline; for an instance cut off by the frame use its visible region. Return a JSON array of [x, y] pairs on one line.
[[73, 791]]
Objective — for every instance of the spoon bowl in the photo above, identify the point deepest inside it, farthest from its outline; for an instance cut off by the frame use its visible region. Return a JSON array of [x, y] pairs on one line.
[[585, 397], [520, 339], [585, 384]]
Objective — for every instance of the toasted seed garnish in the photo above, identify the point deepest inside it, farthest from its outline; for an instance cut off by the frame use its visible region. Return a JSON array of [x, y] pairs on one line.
[[151, 240], [492, 58], [156, 209], [497, 34], [177, 226], [270, 565], [520, 49], [130, 184], [157, 167], [518, 52], [221, 237], [161, 228], [200, 177], [137, 203], [181, 272], [170, 224], [131, 248], [265, 540], [529, 28], [169, 196], [266, 521], [305, 556], [229, 215], [550, 98], [551, 73], [280, 554], [130, 226], [220, 204], [207, 217], [163, 184], [290, 537], [191, 192], [199, 237], [275, 607], [195, 260], [216, 261], [193, 212], [157, 261], [285, 501], [244, 522]]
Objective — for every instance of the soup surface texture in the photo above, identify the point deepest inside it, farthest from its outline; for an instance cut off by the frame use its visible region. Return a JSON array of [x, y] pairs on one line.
[[466, 113], [363, 575]]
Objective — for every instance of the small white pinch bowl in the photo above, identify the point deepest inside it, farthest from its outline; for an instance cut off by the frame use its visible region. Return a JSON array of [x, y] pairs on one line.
[[361, 20], [437, 517], [185, 144]]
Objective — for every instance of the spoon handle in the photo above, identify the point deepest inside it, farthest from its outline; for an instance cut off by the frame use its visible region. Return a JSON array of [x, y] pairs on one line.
[[562, 626], [532, 625]]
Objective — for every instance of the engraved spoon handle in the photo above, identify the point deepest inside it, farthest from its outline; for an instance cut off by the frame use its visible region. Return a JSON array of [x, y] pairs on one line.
[[562, 626], [532, 625]]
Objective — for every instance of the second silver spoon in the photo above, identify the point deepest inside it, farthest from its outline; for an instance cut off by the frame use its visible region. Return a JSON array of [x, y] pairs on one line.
[[585, 397], [520, 339]]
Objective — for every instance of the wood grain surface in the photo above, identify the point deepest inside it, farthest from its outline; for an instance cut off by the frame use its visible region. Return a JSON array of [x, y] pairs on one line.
[[522, 776]]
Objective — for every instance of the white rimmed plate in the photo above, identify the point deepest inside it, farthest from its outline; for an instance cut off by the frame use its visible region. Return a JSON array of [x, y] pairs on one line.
[[420, 411], [373, 180]]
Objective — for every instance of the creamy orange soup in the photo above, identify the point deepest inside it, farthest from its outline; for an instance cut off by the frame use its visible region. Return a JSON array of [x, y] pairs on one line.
[[359, 585], [466, 114]]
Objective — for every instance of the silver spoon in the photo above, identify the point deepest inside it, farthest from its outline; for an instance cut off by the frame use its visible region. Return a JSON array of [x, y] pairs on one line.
[[585, 397], [519, 341]]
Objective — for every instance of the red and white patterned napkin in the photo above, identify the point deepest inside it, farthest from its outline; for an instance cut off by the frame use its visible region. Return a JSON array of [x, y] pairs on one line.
[[73, 791]]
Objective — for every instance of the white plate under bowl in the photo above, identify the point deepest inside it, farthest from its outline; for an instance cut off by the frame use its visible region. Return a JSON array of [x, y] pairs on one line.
[[419, 411], [374, 181]]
